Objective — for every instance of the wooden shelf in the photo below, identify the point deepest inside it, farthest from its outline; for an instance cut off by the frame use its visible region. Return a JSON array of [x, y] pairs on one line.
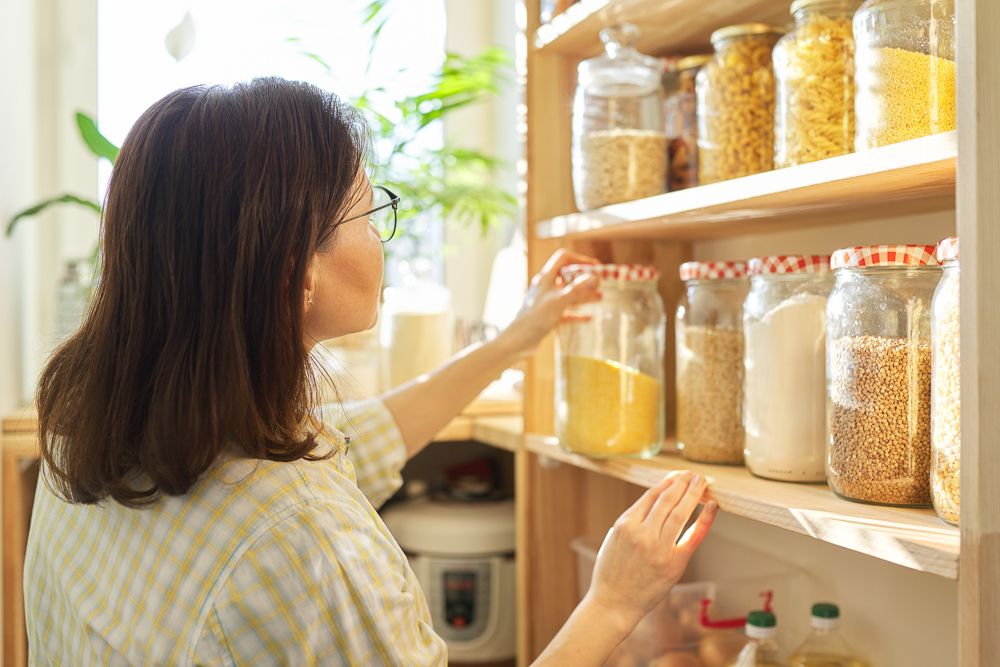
[[502, 432], [668, 26], [913, 538], [911, 177]]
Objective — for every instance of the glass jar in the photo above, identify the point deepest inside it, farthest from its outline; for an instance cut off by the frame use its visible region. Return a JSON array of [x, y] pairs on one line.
[[904, 70], [619, 148], [784, 321], [946, 431], [609, 366], [814, 74], [735, 93], [682, 125], [879, 374], [709, 333]]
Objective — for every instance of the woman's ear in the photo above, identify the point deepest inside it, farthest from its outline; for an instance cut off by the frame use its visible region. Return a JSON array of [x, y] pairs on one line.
[[311, 282]]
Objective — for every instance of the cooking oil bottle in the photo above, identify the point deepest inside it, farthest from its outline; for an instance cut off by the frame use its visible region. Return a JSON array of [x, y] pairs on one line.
[[824, 647], [761, 649]]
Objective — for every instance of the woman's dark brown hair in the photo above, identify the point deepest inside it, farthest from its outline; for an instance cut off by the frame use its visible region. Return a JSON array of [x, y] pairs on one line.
[[194, 341]]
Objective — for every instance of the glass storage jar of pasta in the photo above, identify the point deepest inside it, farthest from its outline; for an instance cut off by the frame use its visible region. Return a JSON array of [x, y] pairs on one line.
[[735, 93], [879, 373], [814, 73], [709, 330], [609, 365], [784, 405], [619, 148], [946, 431], [904, 70], [682, 125]]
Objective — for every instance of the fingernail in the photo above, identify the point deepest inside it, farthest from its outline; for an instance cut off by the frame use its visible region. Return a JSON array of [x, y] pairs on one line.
[[711, 506], [696, 480]]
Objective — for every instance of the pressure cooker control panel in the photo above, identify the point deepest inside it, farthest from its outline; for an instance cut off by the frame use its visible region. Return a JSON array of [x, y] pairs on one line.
[[462, 603]]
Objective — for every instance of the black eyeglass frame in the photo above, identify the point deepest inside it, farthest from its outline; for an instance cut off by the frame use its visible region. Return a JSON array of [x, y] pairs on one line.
[[393, 202]]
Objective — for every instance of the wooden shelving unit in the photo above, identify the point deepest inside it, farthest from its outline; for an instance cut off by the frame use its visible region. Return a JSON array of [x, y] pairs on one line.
[[561, 496]]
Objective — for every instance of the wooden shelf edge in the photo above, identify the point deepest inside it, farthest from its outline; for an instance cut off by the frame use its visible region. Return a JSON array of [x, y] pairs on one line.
[[912, 538], [914, 173], [548, 35]]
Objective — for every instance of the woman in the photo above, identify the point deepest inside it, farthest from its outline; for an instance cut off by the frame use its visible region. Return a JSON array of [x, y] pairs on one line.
[[196, 507]]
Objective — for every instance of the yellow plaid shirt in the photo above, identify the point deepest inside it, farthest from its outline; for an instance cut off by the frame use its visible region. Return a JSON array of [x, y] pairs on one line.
[[261, 563]]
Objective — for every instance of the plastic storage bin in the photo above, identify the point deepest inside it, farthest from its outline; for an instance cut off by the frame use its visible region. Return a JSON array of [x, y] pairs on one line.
[[946, 389], [609, 378]]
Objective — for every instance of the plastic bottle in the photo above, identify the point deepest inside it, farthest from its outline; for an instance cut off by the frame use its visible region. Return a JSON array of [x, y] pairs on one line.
[[761, 649], [824, 647]]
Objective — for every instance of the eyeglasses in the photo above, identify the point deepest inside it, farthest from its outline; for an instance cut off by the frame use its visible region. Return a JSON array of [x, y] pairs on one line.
[[381, 218]]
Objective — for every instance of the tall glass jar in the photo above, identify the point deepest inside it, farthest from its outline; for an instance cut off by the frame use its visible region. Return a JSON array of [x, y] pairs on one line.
[[682, 125], [619, 148], [904, 70], [879, 374], [814, 72], [609, 365], [946, 427], [784, 322], [735, 92], [709, 389]]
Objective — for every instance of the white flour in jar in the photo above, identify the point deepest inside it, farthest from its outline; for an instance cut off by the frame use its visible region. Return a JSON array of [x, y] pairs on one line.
[[785, 391]]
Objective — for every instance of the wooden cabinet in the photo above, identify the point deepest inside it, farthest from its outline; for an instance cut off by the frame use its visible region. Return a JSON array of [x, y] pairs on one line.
[[949, 179]]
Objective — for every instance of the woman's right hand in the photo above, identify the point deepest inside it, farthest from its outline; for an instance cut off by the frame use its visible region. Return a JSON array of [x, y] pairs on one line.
[[644, 555]]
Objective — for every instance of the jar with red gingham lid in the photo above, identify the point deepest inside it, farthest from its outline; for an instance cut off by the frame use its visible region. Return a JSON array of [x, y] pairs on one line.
[[609, 365], [784, 404], [709, 330], [878, 361], [946, 387]]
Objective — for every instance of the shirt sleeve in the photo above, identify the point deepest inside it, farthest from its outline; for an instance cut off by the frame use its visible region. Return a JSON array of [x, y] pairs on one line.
[[377, 450], [324, 586]]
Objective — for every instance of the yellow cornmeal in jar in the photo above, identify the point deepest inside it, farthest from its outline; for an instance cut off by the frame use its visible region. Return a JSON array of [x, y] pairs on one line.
[[611, 409]]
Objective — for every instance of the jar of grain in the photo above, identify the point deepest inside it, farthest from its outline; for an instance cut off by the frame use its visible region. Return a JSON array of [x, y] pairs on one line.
[[946, 431], [814, 72], [904, 70], [619, 148], [682, 125], [709, 333], [784, 405], [735, 93], [609, 365], [878, 360]]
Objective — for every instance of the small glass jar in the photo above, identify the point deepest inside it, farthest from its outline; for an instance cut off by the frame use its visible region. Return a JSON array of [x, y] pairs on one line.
[[946, 426], [784, 322], [709, 389], [735, 93], [619, 148], [879, 374], [682, 125], [814, 73], [609, 365], [904, 70]]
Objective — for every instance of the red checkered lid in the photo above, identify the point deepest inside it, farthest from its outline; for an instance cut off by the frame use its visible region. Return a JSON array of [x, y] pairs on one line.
[[625, 273], [947, 250], [713, 270], [884, 255], [789, 264]]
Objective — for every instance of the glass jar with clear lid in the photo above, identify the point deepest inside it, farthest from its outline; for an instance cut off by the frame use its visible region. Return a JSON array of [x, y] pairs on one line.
[[609, 365], [735, 93], [709, 330], [879, 374], [682, 125], [784, 324], [619, 147], [814, 74], [946, 427], [904, 70]]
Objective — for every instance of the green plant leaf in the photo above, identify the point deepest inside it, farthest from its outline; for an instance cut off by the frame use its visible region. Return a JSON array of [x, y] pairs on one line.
[[98, 144], [41, 206]]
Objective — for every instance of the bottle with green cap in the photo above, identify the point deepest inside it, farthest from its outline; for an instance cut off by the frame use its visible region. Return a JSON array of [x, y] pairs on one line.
[[824, 647], [761, 649]]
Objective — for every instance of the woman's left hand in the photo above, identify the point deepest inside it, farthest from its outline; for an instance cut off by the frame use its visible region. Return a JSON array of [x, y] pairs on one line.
[[547, 299]]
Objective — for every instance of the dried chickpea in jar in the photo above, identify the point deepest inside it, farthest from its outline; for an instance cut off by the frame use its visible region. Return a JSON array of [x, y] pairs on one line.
[[736, 104], [814, 73]]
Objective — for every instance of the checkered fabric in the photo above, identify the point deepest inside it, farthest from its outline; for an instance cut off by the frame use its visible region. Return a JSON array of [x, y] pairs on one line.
[[712, 270], [628, 273], [884, 255], [260, 563], [947, 250], [789, 264]]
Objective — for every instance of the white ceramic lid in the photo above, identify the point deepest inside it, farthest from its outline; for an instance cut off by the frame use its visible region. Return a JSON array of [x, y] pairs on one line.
[[449, 528]]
